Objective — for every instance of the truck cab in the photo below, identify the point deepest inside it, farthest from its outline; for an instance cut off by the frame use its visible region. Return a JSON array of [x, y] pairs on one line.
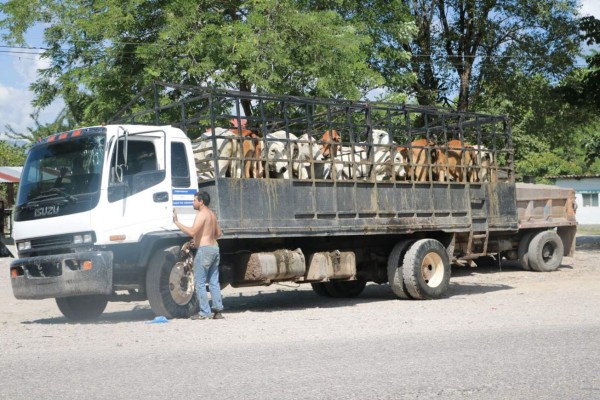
[[90, 204]]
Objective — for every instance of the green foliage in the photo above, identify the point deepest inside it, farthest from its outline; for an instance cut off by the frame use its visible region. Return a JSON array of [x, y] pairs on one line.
[[103, 53], [461, 46], [11, 155]]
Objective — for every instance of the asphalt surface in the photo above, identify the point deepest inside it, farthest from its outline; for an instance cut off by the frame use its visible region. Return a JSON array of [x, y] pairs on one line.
[[501, 333]]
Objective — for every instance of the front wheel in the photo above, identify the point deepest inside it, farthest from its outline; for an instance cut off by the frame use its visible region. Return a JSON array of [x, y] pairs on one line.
[[426, 270], [82, 308], [170, 285], [545, 251]]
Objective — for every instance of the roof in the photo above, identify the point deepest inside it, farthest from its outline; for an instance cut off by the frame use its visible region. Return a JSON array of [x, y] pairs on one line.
[[573, 177], [10, 174]]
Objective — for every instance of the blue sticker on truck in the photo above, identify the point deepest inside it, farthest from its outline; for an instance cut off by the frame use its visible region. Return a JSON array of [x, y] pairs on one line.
[[183, 197]]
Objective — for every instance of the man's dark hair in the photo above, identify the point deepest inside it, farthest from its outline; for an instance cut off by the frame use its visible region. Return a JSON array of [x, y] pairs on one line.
[[205, 197]]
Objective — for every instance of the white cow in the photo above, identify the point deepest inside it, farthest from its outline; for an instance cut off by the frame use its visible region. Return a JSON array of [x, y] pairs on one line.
[[485, 159], [279, 150], [355, 161], [228, 163], [309, 151]]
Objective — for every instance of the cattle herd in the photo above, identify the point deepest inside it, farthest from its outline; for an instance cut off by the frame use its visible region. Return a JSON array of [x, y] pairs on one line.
[[241, 153]]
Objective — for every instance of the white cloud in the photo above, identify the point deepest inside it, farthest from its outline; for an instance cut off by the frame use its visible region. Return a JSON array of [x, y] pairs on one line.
[[29, 71], [16, 98], [590, 7]]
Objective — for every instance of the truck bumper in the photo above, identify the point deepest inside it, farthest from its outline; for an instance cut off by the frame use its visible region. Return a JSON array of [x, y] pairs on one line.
[[62, 275]]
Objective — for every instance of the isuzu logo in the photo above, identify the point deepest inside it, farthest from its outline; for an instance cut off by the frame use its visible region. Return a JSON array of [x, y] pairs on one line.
[[46, 211]]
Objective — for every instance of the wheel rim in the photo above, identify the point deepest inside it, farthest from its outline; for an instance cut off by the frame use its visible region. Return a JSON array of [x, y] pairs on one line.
[[181, 284], [432, 269], [548, 252]]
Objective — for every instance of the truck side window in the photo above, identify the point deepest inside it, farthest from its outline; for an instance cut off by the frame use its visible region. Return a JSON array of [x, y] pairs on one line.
[[180, 172], [141, 171]]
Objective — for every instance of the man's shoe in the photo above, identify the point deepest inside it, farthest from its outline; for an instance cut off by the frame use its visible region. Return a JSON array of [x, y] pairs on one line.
[[197, 317], [218, 315]]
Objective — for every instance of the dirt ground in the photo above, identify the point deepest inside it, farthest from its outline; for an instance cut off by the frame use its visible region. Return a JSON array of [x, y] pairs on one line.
[[495, 285]]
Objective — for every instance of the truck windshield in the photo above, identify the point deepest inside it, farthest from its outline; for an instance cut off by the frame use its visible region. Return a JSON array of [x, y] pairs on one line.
[[64, 174]]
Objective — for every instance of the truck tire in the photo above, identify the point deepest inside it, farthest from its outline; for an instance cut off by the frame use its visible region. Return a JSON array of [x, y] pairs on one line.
[[394, 269], [426, 270], [82, 308], [339, 288], [320, 289], [345, 288], [545, 251], [523, 250], [169, 286]]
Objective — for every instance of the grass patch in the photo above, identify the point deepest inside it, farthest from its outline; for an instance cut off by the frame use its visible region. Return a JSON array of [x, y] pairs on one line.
[[588, 230]]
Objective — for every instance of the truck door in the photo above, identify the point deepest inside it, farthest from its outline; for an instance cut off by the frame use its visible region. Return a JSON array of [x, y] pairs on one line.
[[138, 191]]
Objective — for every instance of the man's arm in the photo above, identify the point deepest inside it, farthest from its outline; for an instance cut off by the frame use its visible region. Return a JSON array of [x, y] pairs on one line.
[[190, 230]]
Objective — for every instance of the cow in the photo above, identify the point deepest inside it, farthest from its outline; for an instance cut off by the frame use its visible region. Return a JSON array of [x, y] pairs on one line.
[[421, 158], [484, 159], [251, 146], [457, 163], [354, 161], [226, 154], [330, 144], [309, 151], [280, 149]]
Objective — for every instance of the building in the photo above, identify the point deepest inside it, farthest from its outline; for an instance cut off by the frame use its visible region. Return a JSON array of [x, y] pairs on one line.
[[587, 188]]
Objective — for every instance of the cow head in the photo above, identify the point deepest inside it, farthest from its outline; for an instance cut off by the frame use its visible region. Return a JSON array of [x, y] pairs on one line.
[[331, 143], [277, 158], [381, 137]]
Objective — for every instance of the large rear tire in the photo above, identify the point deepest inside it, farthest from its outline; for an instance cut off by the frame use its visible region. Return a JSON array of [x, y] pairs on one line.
[[426, 270], [394, 269], [545, 251], [82, 308], [170, 285]]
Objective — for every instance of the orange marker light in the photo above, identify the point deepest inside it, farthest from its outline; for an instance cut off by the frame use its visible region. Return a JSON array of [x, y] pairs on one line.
[[63, 135], [14, 273], [115, 238], [87, 265]]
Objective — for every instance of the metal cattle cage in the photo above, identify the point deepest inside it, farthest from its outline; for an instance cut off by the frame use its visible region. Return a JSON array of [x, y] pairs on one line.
[[465, 163]]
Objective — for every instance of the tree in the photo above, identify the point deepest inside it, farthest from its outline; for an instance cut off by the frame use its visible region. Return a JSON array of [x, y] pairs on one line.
[[104, 52], [464, 44], [63, 122]]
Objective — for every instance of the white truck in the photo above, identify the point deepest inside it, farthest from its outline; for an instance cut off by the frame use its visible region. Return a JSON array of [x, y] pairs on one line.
[[93, 216]]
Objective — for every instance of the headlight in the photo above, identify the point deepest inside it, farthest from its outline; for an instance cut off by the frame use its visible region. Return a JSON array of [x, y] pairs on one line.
[[82, 238], [24, 246]]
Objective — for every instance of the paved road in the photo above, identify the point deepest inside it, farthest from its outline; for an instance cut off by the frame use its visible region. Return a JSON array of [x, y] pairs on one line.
[[500, 334]]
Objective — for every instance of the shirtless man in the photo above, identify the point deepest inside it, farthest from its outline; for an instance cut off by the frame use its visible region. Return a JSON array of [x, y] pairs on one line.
[[205, 231]]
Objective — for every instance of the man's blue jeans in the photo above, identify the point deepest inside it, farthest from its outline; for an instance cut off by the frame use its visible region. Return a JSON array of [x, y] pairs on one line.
[[206, 268]]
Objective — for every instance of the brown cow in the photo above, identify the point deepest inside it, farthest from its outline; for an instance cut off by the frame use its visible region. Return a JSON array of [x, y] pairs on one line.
[[457, 163], [331, 142], [251, 150], [421, 158]]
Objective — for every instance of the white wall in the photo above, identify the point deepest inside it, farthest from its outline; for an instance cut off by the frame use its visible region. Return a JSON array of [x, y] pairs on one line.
[[585, 215]]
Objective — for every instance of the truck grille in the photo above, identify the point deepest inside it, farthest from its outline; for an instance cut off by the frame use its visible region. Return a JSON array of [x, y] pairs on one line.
[[52, 241]]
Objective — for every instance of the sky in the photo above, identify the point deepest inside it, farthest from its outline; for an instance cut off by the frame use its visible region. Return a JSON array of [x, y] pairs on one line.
[[19, 70]]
